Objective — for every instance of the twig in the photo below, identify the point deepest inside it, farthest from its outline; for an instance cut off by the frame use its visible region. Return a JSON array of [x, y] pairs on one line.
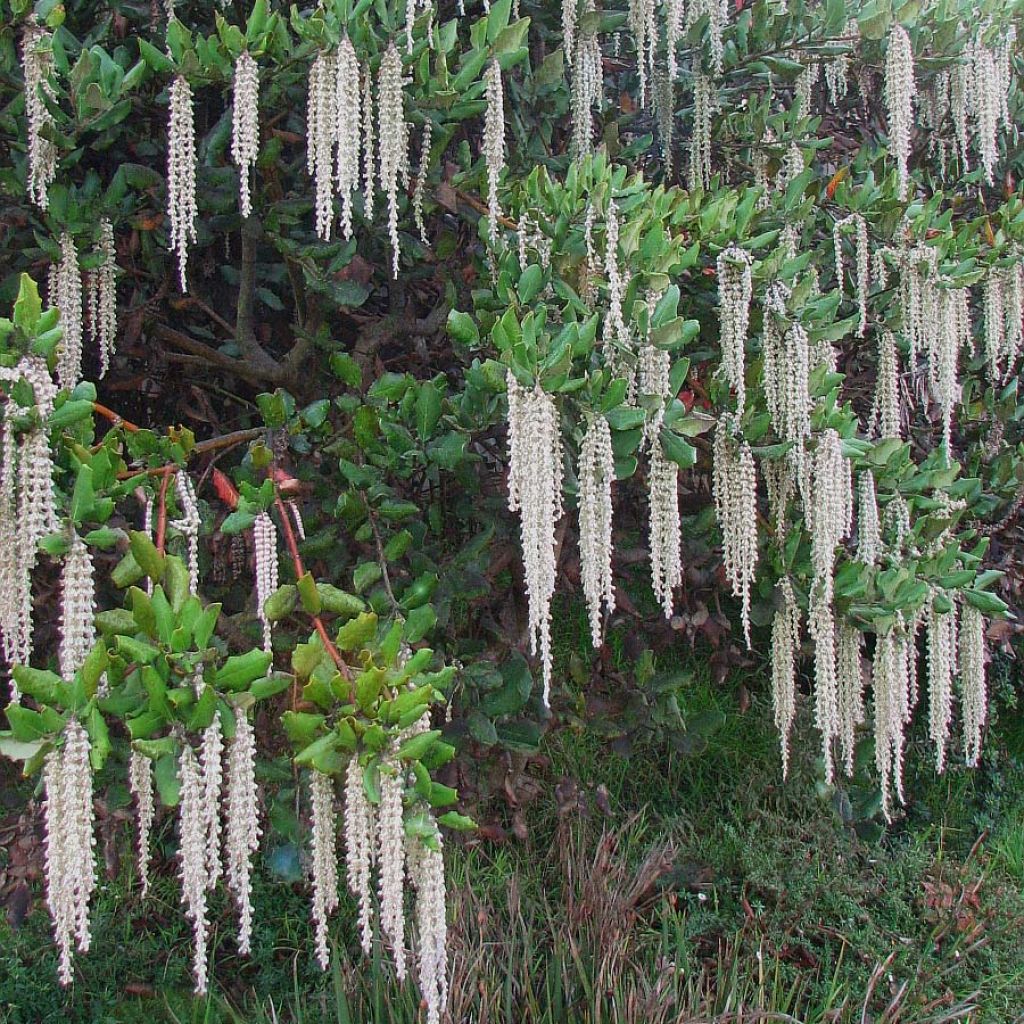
[[300, 571], [211, 444], [116, 418], [161, 516]]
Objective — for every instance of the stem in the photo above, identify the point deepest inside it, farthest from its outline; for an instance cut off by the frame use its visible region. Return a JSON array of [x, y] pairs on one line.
[[116, 418], [300, 571], [161, 516], [211, 444]]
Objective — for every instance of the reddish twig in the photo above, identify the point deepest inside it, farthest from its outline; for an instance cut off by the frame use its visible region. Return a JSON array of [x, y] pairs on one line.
[[161, 515], [211, 444], [293, 549], [116, 418]]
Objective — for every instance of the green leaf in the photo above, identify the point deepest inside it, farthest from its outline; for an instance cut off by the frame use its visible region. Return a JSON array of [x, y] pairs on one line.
[[157, 60], [27, 307], [69, 413], [242, 669], [417, 746], [149, 560], [419, 623], [339, 602], [452, 819], [462, 327], [358, 632], [428, 409], [301, 727], [308, 594], [281, 602], [677, 450]]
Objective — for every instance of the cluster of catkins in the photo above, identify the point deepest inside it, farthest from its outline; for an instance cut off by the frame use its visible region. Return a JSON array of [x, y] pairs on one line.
[[341, 137], [86, 301], [937, 323], [28, 509], [375, 837], [536, 464]]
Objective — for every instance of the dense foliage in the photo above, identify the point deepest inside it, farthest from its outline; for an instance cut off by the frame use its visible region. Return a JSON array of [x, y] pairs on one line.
[[723, 302]]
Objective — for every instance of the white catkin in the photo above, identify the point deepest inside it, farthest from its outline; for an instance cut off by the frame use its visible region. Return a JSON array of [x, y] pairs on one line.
[[734, 484], [850, 683], [368, 143], [886, 414], [421, 180], [786, 379], [348, 129], [104, 281], [869, 530], [699, 174], [831, 511], [664, 526], [189, 524], [641, 20], [973, 687], [900, 91], [569, 22], [69, 844], [596, 473], [69, 301], [140, 781], [391, 855], [494, 144], [535, 491], [245, 126], [994, 321], [587, 88], [862, 263], [242, 832], [192, 854], [359, 848], [393, 133], [822, 628], [182, 206], [614, 322], [735, 290], [324, 859], [432, 928], [941, 630], [785, 648], [78, 608], [952, 332], [265, 543], [37, 68], [212, 773], [717, 12], [321, 134]]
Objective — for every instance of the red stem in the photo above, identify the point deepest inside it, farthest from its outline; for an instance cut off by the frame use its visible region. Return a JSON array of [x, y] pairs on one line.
[[161, 515], [293, 549]]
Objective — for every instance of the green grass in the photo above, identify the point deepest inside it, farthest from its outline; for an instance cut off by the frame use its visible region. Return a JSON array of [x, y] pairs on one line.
[[677, 887]]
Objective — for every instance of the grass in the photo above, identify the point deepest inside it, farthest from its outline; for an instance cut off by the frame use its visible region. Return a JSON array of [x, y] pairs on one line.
[[674, 887]]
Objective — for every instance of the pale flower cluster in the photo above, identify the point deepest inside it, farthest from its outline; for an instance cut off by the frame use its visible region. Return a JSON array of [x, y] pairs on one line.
[[596, 473], [535, 492], [182, 205], [245, 126], [70, 843]]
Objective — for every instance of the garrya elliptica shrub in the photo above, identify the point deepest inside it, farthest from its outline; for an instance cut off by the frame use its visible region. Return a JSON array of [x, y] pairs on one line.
[[769, 253]]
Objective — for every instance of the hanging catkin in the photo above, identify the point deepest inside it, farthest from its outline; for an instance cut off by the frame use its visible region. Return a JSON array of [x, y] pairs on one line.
[[182, 207], [245, 126], [596, 473]]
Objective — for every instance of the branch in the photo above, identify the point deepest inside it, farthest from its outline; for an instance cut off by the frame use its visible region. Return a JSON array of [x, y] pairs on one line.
[[211, 444], [300, 571], [241, 368], [116, 418], [161, 518]]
